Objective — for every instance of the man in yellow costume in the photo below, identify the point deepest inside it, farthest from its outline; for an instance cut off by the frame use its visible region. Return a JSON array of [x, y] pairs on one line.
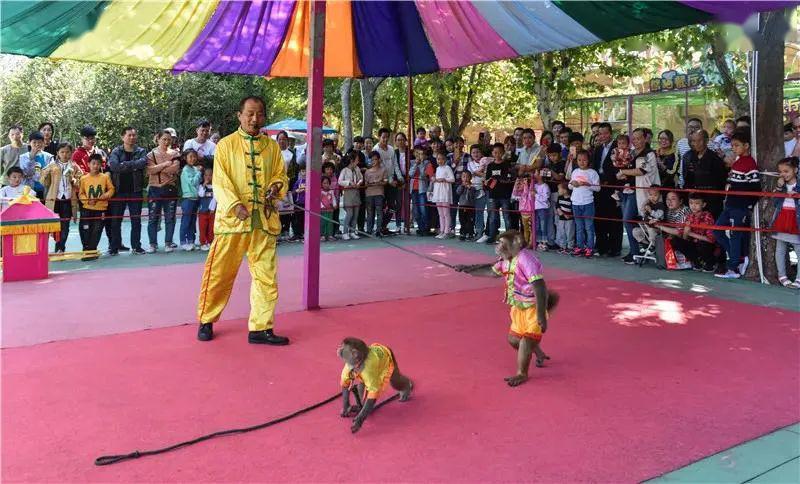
[[249, 176]]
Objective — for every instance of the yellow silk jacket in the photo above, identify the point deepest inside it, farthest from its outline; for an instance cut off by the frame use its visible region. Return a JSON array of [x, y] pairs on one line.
[[244, 168]]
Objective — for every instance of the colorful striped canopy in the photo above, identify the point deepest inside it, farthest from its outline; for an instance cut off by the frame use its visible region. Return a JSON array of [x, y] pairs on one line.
[[363, 38]]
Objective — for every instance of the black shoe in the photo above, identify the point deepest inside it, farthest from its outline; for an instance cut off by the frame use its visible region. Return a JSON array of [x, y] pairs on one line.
[[628, 259], [205, 332], [139, 251], [124, 249], [113, 252], [552, 247], [266, 337], [614, 254]]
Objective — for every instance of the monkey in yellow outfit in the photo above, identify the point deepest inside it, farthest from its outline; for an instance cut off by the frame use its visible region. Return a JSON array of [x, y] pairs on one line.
[[368, 371], [249, 176]]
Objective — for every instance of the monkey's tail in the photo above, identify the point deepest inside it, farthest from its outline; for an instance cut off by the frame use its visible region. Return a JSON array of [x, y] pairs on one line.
[[552, 299]]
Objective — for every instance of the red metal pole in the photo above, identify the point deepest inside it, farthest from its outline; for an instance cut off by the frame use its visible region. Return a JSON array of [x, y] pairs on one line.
[[316, 83]]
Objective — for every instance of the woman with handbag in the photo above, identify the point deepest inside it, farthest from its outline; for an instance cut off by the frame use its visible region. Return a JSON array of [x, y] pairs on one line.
[[163, 166]]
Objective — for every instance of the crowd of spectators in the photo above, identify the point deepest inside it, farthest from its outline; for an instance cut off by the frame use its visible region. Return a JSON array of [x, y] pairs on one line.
[[565, 193]]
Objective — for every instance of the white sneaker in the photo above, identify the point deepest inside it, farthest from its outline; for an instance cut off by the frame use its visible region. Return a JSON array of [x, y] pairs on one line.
[[205, 247], [169, 249], [743, 265], [440, 236], [152, 249], [354, 236], [483, 239], [187, 247], [345, 236], [729, 275]]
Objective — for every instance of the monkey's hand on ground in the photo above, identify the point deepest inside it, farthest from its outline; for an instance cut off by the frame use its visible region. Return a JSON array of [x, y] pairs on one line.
[[357, 422], [351, 411]]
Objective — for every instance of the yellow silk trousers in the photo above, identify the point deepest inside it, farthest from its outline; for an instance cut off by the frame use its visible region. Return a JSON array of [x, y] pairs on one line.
[[222, 265]]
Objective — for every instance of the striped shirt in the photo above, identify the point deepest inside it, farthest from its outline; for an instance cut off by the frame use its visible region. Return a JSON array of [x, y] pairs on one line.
[[565, 204], [743, 177]]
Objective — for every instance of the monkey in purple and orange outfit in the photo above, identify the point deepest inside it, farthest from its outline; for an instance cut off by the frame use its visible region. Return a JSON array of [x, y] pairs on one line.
[[526, 294]]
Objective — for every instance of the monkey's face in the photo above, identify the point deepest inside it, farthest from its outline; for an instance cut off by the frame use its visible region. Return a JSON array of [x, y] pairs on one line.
[[505, 249], [349, 355]]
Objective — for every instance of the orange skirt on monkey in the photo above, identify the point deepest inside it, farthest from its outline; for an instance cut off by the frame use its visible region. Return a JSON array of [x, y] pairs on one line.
[[375, 373], [520, 274]]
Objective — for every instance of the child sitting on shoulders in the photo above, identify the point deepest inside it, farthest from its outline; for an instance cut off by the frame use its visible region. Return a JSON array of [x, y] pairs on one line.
[[565, 225]]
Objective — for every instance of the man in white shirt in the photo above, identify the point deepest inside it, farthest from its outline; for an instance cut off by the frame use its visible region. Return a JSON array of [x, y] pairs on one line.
[[9, 154], [204, 147], [683, 146], [392, 168], [526, 156]]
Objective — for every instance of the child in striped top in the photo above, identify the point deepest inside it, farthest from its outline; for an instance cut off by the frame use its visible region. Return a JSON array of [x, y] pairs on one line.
[[565, 225]]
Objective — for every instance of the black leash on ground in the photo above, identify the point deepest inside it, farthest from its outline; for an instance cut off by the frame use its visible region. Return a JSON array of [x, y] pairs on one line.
[[379, 239], [113, 459]]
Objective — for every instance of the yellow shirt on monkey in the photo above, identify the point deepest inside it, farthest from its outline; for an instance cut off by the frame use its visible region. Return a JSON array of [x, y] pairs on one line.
[[245, 167], [375, 373]]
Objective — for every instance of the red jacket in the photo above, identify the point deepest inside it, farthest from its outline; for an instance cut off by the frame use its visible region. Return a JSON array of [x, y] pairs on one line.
[[81, 158]]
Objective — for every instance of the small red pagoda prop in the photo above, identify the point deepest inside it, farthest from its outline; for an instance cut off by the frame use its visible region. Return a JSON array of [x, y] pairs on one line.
[[25, 227]]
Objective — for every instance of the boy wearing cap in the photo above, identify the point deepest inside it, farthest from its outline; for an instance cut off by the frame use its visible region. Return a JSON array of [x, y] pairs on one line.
[[87, 149], [204, 147]]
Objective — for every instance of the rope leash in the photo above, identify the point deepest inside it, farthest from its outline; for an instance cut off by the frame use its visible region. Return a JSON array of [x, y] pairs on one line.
[[113, 459], [379, 239]]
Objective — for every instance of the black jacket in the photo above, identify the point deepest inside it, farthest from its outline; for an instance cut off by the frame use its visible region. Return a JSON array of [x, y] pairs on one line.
[[117, 165]]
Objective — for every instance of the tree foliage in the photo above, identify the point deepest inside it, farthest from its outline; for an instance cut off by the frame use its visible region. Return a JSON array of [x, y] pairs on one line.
[[109, 97]]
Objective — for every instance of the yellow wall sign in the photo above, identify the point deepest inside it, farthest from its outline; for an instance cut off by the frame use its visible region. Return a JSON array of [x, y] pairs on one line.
[[671, 80]]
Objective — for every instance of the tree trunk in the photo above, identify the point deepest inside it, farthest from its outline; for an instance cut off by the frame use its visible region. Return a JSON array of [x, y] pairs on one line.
[[768, 41], [738, 104], [453, 120], [548, 69], [347, 119], [369, 87], [444, 102], [466, 117]]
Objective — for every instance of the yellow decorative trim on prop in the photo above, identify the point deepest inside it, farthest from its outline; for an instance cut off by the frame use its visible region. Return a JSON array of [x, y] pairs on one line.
[[36, 228]]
